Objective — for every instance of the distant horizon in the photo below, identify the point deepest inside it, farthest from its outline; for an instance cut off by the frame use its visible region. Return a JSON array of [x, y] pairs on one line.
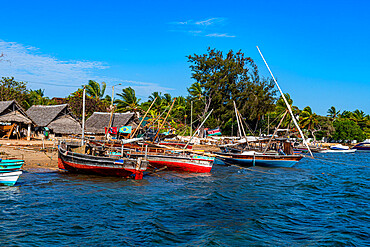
[[317, 51]]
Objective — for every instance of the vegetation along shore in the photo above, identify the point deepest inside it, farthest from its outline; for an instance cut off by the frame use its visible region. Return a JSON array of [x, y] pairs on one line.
[[219, 81]]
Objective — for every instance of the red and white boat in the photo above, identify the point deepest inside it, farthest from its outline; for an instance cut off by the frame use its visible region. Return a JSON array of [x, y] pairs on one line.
[[178, 162], [100, 165]]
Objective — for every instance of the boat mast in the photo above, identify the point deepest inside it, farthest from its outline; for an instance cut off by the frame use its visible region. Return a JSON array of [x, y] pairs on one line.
[[83, 116], [164, 121], [237, 119], [209, 114], [191, 119], [286, 102], [133, 134]]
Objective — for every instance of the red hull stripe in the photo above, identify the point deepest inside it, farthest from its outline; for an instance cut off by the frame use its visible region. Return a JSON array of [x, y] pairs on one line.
[[107, 171], [180, 166]]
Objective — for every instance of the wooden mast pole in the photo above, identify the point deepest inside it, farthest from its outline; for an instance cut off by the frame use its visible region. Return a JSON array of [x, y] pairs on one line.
[[191, 119], [268, 144], [198, 128], [83, 116], [286, 102], [237, 119], [159, 129], [133, 134]]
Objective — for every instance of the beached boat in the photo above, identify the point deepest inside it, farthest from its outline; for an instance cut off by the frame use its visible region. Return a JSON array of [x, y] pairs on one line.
[[251, 158], [362, 146], [9, 178], [178, 162], [339, 149], [101, 165], [10, 165], [160, 156]]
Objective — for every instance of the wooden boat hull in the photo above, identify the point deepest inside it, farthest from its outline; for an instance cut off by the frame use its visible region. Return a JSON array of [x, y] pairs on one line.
[[338, 151], [106, 166], [260, 160], [196, 164], [9, 178], [10, 165], [363, 146]]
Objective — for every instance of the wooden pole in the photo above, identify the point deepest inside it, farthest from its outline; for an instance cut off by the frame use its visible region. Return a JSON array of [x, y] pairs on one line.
[[133, 134], [191, 119], [268, 144], [111, 113], [286, 102], [237, 118], [198, 129], [164, 119], [83, 116]]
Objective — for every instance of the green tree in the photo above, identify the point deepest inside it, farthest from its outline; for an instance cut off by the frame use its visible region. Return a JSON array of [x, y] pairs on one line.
[[281, 107], [128, 101], [346, 114], [11, 89], [227, 78], [333, 113], [308, 120], [94, 89], [347, 130], [196, 91], [75, 101], [36, 97], [159, 102]]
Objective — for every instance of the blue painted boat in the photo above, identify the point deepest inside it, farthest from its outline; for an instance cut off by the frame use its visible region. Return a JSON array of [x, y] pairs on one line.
[[362, 146], [9, 178], [251, 158], [10, 165]]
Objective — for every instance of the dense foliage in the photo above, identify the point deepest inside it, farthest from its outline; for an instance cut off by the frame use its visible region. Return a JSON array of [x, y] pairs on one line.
[[219, 81], [92, 104], [347, 130], [222, 80]]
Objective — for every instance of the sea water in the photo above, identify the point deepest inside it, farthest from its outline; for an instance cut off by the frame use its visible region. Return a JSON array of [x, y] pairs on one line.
[[319, 202]]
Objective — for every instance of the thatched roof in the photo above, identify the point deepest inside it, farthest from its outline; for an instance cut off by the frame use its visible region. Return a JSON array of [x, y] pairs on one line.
[[58, 118], [99, 120], [66, 125], [11, 111], [42, 115]]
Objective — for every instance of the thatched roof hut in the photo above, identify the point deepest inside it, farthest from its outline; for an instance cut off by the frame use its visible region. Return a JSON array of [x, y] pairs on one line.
[[98, 120], [11, 111], [58, 118]]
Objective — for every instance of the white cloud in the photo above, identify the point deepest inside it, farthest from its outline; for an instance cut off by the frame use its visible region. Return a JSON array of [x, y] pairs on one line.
[[25, 64], [205, 28], [210, 21], [144, 89], [59, 78], [220, 35]]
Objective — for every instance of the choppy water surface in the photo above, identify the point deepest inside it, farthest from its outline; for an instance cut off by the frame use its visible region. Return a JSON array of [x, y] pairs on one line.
[[314, 204]]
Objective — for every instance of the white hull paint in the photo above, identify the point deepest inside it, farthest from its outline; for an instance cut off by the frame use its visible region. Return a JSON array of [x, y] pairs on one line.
[[9, 178]]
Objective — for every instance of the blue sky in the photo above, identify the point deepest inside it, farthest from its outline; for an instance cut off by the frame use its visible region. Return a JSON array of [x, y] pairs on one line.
[[318, 50]]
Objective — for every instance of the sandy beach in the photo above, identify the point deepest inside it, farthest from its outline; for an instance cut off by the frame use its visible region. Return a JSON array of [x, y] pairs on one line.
[[35, 154]]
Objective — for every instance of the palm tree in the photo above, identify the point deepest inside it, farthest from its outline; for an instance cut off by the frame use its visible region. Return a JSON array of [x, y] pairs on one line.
[[333, 113], [196, 90], [359, 117], [281, 108], [94, 89], [127, 101], [308, 119], [158, 102], [167, 99], [346, 114]]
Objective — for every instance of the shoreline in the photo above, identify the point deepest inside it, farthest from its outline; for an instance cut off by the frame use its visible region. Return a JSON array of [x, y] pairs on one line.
[[32, 152]]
